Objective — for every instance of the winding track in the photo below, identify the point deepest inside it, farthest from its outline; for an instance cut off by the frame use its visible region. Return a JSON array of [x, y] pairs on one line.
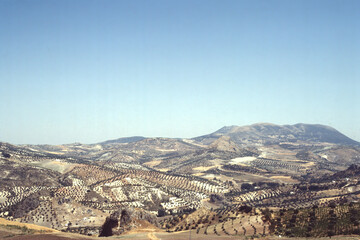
[[152, 236]]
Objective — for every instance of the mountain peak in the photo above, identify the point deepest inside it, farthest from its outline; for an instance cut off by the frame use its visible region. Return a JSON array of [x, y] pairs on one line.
[[268, 133]]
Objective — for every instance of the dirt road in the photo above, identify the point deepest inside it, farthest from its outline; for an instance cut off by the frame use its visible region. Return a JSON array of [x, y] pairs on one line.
[[152, 236]]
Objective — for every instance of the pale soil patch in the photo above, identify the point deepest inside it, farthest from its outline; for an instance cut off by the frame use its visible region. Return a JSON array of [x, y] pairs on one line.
[[58, 166], [185, 235], [198, 174], [163, 169], [309, 164], [331, 192], [281, 177], [205, 168], [78, 214], [263, 155], [28, 225], [287, 179], [286, 153], [153, 163], [209, 176], [218, 176], [242, 159], [144, 227], [248, 177], [151, 236], [277, 153], [98, 147], [165, 150], [194, 143]]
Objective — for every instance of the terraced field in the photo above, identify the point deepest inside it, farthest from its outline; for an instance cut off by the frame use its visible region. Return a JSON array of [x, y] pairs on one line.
[[216, 186]]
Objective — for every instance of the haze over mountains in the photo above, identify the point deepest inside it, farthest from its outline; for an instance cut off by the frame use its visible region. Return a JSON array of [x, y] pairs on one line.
[[267, 133], [217, 184]]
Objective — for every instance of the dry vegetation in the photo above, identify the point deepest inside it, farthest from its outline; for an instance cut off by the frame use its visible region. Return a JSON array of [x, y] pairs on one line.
[[213, 187]]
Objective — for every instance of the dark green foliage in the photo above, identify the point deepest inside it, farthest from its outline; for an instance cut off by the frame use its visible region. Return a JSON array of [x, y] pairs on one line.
[[247, 187], [109, 224], [245, 209], [5, 155], [20, 209], [324, 221]]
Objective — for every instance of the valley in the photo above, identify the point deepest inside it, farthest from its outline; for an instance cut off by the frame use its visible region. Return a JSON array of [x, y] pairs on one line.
[[257, 181]]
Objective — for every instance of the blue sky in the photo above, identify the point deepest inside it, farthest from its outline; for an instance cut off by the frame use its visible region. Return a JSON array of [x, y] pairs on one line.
[[88, 71]]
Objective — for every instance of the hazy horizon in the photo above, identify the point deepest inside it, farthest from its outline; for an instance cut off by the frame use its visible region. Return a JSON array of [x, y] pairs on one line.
[[90, 71], [175, 137]]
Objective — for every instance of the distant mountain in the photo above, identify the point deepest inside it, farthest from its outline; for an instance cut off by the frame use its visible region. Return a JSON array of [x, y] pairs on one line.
[[139, 184], [124, 140], [267, 133], [352, 171]]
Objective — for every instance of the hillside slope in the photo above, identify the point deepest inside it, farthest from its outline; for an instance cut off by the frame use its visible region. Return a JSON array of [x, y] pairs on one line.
[[266, 133]]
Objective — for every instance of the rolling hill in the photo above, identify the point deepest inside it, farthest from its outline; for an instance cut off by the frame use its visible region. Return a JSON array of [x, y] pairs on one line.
[[221, 185], [267, 133]]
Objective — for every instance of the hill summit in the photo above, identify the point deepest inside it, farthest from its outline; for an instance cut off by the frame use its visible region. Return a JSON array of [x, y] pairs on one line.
[[267, 133]]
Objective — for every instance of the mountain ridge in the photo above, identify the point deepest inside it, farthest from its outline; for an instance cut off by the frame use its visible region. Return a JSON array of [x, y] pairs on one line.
[[85, 188], [268, 133]]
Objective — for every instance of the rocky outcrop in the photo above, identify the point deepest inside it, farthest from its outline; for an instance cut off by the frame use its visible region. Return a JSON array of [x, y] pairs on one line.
[[124, 220]]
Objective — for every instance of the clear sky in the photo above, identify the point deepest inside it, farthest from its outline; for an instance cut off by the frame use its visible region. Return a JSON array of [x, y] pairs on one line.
[[88, 71]]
